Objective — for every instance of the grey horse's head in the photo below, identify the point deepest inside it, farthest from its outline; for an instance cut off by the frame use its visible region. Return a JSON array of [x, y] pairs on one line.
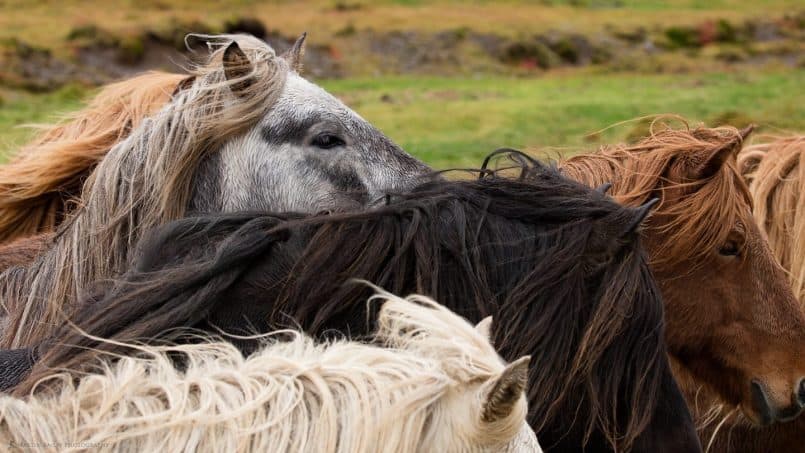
[[309, 153]]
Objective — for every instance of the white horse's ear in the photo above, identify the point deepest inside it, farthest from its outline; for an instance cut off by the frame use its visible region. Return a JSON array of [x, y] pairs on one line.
[[237, 68], [296, 53], [505, 391], [485, 328]]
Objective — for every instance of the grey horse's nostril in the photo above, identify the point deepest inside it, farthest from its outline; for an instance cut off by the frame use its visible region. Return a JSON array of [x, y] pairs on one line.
[[801, 393]]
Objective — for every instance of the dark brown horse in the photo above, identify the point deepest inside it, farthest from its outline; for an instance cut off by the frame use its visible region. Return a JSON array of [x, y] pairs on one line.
[[558, 266], [734, 328]]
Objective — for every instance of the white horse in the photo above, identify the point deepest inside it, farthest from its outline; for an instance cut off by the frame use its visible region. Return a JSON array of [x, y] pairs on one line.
[[429, 382], [247, 133]]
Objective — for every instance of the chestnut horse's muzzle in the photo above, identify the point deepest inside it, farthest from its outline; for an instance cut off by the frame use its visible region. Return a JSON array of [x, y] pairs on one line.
[[769, 414]]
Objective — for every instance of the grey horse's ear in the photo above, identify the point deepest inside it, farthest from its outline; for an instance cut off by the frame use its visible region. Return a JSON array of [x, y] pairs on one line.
[[505, 391], [296, 53], [237, 68]]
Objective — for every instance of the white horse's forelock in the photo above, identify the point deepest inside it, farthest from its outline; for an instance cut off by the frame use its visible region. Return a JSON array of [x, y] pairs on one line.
[[419, 389]]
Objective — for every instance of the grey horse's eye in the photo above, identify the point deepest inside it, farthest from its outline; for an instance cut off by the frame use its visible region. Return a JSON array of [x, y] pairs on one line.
[[327, 140]]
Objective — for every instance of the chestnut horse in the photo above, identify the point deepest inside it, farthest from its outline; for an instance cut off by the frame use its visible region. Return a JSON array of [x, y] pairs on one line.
[[775, 173], [735, 329]]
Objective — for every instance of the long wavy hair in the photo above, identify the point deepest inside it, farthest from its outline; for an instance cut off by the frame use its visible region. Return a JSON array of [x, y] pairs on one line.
[[696, 224], [144, 181], [38, 187], [425, 383], [775, 172], [559, 267], [726, 297]]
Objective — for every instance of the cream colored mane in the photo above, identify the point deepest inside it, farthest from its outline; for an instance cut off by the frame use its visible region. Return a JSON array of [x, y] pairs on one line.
[[775, 172], [421, 389]]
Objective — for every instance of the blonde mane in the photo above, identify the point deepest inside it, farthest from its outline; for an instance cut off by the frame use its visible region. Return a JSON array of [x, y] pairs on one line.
[[775, 172], [693, 225], [418, 389], [142, 182], [44, 175]]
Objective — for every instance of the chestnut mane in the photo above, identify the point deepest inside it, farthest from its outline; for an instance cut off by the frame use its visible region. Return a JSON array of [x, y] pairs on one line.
[[44, 176], [696, 223]]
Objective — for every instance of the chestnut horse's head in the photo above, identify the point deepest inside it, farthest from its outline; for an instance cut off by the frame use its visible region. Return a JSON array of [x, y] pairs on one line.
[[733, 323]]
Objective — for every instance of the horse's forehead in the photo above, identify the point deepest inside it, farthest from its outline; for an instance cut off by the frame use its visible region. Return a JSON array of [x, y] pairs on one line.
[[301, 98]]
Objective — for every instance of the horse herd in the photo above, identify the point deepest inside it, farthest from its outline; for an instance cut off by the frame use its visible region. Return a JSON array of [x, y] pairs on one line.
[[179, 268]]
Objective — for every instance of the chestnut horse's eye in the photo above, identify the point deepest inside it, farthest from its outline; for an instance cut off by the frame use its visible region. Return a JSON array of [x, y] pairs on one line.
[[730, 248], [327, 141]]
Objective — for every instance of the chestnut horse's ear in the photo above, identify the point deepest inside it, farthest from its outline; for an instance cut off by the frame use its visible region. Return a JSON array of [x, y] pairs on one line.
[[295, 54], [716, 158], [745, 132], [505, 391], [237, 68]]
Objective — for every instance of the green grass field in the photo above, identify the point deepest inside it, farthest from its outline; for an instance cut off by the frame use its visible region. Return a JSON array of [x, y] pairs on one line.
[[454, 122], [449, 122]]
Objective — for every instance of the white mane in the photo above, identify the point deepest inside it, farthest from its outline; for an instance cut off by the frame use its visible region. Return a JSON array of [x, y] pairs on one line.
[[421, 390]]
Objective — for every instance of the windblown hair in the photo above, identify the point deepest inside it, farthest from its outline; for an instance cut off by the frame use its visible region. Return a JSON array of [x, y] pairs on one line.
[[142, 182], [559, 267], [418, 387], [775, 172], [693, 225], [37, 186]]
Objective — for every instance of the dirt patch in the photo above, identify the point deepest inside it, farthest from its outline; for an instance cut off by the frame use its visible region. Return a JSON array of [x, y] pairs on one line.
[[113, 57], [35, 69], [409, 51], [114, 62]]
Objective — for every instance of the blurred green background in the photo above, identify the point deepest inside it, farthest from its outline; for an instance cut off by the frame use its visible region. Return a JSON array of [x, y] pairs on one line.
[[448, 80]]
